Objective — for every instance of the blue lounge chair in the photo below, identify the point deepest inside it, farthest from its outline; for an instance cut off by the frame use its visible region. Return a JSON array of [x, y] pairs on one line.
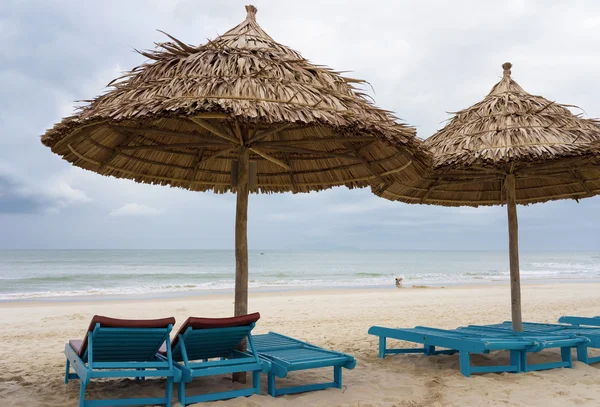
[[287, 354], [585, 330], [467, 343], [200, 341], [122, 348], [543, 340]]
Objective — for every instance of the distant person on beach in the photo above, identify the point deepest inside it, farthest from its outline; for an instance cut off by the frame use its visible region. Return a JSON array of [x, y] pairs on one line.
[[399, 282]]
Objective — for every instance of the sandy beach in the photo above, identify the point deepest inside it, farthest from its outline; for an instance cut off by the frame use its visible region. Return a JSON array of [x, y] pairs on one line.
[[32, 337]]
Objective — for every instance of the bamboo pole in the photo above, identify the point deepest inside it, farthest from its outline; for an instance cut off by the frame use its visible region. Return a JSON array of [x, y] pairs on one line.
[[513, 247], [241, 246]]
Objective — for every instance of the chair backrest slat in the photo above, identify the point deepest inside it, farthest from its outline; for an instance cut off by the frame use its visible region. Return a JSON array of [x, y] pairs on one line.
[[139, 345], [207, 344]]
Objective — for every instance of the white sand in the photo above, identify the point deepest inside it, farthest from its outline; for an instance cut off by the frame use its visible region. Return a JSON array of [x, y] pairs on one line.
[[32, 337]]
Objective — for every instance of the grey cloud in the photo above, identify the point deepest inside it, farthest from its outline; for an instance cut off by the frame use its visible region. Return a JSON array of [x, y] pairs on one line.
[[12, 199], [19, 197]]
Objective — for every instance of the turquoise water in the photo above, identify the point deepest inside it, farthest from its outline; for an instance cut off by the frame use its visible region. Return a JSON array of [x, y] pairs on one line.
[[51, 273]]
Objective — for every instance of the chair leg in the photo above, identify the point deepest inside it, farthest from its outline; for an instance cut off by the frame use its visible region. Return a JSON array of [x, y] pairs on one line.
[[382, 344], [428, 350], [515, 360], [465, 363], [567, 356], [337, 376], [181, 392], [256, 381], [169, 394], [524, 364], [82, 394], [582, 353], [271, 385], [67, 371]]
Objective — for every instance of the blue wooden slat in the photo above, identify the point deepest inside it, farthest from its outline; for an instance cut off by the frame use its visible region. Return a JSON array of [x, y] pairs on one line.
[[203, 349], [126, 340], [130, 365], [141, 348], [125, 351], [404, 350], [203, 337], [217, 345], [475, 345], [593, 321], [304, 388], [317, 364], [494, 369], [132, 373], [541, 340], [217, 363], [131, 331], [240, 367], [493, 339], [125, 402], [219, 396], [595, 359]]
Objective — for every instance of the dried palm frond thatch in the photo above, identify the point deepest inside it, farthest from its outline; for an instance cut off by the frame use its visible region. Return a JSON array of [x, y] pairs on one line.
[[510, 148], [181, 119], [553, 153]]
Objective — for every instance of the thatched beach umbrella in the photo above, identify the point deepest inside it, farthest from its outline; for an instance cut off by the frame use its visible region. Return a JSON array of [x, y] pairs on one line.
[[240, 113], [511, 148]]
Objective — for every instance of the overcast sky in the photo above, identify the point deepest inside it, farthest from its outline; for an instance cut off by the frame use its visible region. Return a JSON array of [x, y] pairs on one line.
[[422, 59]]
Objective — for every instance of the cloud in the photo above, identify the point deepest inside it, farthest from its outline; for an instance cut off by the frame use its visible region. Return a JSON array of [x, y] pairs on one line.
[[17, 196], [64, 195], [134, 209], [12, 201], [361, 206]]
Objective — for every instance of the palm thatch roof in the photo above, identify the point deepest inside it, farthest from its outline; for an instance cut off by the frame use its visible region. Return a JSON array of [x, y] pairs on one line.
[[553, 153], [180, 120]]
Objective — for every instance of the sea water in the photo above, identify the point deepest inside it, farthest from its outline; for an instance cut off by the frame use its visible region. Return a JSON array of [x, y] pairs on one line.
[[67, 273]]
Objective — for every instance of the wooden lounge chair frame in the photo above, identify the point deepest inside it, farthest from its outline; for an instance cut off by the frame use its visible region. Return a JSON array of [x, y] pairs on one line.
[[467, 343], [196, 349], [581, 327], [286, 354], [566, 341], [121, 352]]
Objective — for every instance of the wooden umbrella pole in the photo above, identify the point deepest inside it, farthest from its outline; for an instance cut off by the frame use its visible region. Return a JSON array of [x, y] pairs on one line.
[[241, 235], [513, 247], [241, 246]]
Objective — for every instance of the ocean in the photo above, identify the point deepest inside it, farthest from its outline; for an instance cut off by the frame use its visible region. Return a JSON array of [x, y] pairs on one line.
[[28, 274]]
